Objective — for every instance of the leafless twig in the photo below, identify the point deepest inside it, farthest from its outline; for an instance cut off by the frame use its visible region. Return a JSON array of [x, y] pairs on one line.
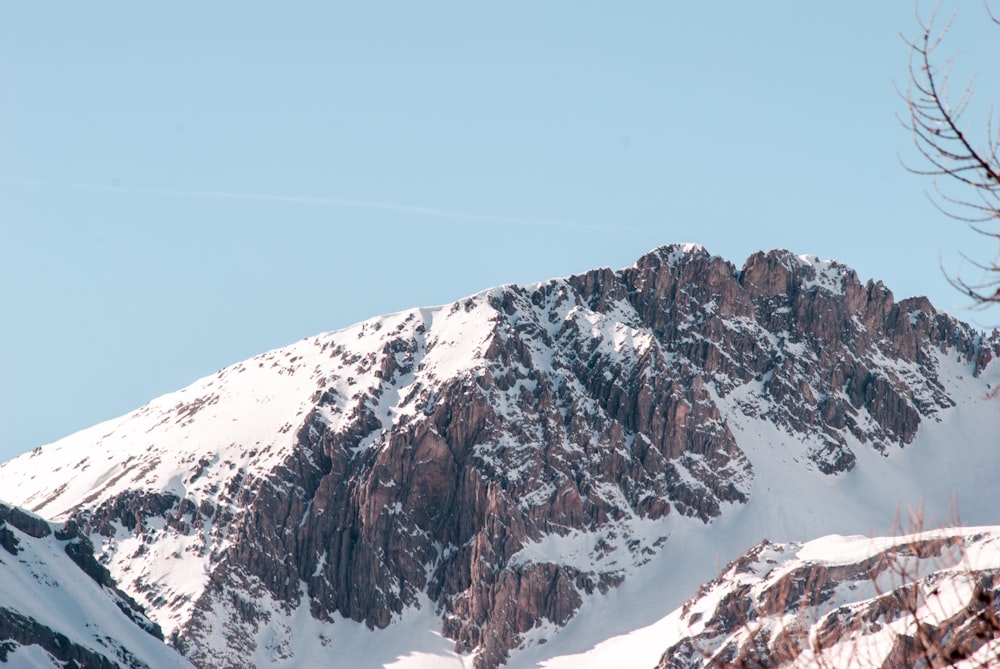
[[970, 167]]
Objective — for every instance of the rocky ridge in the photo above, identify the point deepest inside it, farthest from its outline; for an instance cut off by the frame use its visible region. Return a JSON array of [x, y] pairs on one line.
[[430, 455], [919, 600]]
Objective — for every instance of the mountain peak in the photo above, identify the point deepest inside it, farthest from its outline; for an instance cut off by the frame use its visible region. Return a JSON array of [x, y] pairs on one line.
[[508, 458], [674, 253]]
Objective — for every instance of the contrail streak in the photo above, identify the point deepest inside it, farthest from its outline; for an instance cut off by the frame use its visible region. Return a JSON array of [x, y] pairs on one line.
[[308, 200]]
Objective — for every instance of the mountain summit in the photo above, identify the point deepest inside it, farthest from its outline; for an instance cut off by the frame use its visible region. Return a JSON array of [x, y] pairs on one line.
[[524, 472]]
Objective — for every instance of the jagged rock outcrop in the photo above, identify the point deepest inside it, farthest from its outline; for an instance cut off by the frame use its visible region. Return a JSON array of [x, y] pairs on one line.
[[59, 605], [432, 455], [922, 600], [18, 630], [30, 524]]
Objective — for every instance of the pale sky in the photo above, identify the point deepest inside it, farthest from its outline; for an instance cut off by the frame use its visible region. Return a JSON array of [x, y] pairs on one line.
[[185, 185]]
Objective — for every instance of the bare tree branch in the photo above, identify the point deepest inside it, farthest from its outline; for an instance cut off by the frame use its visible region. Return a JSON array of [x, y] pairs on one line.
[[952, 155]]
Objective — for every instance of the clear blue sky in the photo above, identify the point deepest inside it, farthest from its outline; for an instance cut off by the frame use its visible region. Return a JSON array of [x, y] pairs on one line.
[[184, 185]]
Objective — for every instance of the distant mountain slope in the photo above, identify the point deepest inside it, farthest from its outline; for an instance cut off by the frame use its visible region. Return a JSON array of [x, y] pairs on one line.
[[558, 463], [58, 605]]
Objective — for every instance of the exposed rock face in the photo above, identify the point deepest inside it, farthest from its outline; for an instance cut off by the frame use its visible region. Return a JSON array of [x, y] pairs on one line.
[[28, 523], [923, 600], [18, 630], [437, 450]]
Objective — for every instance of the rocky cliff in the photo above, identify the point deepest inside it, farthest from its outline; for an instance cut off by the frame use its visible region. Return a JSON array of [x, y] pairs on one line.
[[444, 457]]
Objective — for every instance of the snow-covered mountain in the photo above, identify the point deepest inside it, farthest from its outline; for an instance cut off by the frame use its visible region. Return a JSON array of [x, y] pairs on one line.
[[59, 606], [532, 473]]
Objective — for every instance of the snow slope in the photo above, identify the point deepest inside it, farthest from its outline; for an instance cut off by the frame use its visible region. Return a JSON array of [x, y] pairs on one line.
[[42, 585]]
